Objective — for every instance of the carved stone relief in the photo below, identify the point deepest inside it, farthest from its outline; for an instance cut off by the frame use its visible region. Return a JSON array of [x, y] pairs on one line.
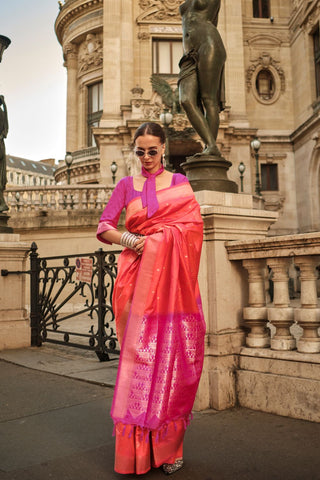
[[159, 10], [143, 35], [90, 53]]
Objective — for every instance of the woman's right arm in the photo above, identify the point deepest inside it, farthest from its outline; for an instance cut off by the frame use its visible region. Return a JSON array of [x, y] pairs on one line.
[[111, 236], [107, 228], [114, 236]]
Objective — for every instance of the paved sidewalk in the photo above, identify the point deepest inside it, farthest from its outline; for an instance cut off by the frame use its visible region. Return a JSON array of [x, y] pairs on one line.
[[69, 362], [56, 427]]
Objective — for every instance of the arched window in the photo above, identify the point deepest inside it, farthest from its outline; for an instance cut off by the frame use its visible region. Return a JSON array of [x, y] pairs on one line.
[[261, 8], [95, 107], [265, 84]]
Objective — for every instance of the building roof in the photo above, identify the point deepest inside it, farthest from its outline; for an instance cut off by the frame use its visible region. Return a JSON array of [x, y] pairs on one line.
[[39, 168]]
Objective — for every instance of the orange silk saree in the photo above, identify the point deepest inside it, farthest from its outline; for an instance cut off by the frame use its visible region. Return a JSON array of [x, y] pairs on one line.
[[160, 328]]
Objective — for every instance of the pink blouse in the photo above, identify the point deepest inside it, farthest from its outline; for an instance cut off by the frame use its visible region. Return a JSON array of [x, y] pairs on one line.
[[123, 193]]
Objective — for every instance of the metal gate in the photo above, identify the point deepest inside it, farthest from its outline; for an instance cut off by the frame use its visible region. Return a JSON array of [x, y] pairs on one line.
[[71, 300]]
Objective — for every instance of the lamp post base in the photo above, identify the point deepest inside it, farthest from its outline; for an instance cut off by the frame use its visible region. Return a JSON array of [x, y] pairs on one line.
[[4, 217], [209, 172]]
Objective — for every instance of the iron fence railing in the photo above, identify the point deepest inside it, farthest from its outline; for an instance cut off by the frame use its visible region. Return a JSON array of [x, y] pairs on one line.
[[71, 300]]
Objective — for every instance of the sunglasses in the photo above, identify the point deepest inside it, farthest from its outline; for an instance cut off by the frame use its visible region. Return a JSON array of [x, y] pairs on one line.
[[151, 153]]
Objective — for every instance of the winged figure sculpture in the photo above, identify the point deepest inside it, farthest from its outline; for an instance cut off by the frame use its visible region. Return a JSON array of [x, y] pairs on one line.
[[169, 96]]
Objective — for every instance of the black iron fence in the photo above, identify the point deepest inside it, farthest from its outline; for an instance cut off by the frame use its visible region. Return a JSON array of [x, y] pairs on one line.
[[71, 300]]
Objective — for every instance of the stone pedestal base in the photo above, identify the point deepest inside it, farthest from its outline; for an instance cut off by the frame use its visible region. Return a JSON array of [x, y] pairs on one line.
[[283, 383], [223, 286], [208, 172], [4, 218], [14, 323]]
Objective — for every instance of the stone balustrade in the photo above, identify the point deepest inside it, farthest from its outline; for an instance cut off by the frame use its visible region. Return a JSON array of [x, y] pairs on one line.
[[291, 304], [56, 198]]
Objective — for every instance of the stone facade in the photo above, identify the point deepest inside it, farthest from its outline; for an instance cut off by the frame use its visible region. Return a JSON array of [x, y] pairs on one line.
[[270, 90], [26, 173]]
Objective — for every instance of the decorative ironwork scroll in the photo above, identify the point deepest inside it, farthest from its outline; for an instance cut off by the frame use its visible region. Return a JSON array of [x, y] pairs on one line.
[[73, 307]]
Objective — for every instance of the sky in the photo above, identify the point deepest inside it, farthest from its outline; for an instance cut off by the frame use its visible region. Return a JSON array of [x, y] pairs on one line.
[[33, 79]]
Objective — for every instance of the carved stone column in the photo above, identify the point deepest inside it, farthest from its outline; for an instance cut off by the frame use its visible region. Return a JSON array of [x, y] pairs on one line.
[[281, 314], [112, 64], [308, 315], [255, 315], [71, 62]]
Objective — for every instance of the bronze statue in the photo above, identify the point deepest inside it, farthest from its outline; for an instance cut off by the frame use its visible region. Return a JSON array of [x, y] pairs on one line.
[[201, 79], [4, 127]]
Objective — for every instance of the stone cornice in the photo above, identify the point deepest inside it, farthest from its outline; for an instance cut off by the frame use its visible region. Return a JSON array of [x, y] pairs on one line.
[[281, 246], [72, 10], [303, 17], [310, 124], [312, 10]]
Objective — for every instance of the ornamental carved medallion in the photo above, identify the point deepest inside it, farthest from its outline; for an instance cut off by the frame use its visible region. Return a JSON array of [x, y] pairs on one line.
[[159, 10]]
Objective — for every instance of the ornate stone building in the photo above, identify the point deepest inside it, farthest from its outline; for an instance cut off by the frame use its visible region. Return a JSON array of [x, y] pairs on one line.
[[112, 48]]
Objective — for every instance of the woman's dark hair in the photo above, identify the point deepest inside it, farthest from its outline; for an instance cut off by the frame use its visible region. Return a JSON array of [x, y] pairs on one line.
[[150, 128]]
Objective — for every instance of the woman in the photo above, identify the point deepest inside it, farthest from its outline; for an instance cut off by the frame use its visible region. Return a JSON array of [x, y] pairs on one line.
[[201, 80], [157, 308]]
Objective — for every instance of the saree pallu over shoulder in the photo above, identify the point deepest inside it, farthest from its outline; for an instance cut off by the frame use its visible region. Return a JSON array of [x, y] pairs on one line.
[[159, 315]]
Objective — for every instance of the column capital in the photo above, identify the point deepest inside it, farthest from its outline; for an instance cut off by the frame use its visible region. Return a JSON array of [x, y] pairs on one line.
[[70, 53]]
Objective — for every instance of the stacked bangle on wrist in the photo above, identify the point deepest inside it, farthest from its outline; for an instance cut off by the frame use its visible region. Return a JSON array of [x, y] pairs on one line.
[[128, 239]]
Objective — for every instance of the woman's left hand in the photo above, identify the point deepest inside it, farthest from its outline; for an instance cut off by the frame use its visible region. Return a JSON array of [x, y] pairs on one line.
[[139, 245]]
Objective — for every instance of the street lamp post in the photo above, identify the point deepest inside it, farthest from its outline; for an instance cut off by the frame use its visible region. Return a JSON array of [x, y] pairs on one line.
[[255, 145], [166, 118], [113, 168], [241, 169], [68, 159]]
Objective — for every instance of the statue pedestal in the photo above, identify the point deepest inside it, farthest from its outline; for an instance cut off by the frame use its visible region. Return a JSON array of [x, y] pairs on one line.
[[4, 218], [224, 290], [209, 172]]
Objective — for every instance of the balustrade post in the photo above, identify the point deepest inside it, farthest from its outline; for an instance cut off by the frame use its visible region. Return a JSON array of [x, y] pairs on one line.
[[76, 200], [61, 201], [255, 315], [36, 202], [28, 202], [280, 315], [84, 204], [308, 315], [68, 200]]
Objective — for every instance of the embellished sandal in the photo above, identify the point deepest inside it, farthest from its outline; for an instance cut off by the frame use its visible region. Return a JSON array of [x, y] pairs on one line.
[[169, 468]]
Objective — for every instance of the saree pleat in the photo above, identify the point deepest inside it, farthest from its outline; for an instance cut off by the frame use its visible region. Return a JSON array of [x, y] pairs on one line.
[[160, 327], [138, 449]]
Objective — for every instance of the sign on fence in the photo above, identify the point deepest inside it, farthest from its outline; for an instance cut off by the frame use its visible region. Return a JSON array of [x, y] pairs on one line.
[[84, 269]]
